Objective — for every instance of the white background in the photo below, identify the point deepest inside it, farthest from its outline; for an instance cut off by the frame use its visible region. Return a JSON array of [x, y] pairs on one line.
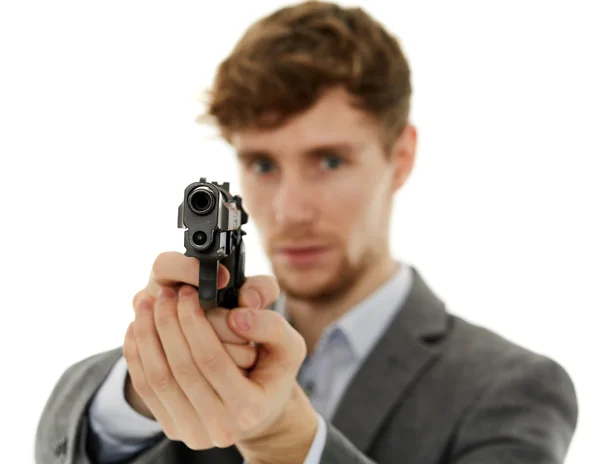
[[98, 140]]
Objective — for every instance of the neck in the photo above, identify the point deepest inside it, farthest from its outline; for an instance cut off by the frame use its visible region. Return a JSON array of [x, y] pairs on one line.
[[311, 319]]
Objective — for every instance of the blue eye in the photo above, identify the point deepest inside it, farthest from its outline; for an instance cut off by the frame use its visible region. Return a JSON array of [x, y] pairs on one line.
[[262, 166], [331, 161]]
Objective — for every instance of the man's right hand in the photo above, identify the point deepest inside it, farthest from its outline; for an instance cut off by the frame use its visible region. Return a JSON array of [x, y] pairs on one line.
[[173, 269]]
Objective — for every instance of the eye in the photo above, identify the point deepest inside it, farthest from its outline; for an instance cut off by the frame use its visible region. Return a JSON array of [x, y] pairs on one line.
[[332, 161], [262, 166]]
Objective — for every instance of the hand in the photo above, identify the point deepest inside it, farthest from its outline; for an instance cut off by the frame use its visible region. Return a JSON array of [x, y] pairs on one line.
[[181, 368], [171, 269]]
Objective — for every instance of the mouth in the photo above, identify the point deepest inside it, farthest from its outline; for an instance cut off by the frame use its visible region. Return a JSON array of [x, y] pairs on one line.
[[302, 255]]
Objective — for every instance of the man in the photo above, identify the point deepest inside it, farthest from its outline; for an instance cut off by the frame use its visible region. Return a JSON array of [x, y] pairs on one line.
[[359, 361]]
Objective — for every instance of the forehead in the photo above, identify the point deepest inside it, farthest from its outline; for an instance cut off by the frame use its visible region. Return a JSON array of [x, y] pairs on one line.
[[332, 121]]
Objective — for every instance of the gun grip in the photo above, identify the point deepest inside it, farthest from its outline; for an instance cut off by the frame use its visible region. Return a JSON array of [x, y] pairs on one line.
[[209, 295], [235, 264], [207, 288]]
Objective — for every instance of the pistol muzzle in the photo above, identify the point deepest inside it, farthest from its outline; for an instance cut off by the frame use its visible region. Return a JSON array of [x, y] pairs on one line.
[[202, 201]]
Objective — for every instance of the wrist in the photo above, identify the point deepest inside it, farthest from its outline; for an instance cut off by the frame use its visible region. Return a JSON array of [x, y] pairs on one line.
[[290, 438]]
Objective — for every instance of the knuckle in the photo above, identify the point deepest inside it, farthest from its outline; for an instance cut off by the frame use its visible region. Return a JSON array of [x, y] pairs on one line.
[[211, 361], [185, 372], [220, 436], [170, 432], [197, 443], [160, 380], [223, 442]]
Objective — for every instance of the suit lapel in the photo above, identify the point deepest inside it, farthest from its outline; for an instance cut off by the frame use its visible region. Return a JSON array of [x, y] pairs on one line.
[[393, 366]]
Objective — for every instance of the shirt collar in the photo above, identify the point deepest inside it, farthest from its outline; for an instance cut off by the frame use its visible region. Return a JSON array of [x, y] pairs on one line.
[[364, 324]]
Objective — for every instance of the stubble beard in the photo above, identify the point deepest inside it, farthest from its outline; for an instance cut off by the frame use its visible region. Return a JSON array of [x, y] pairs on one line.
[[339, 283]]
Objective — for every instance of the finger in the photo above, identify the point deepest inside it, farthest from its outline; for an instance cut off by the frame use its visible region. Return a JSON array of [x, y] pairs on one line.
[[218, 319], [209, 353], [244, 356], [140, 385], [286, 347], [172, 268], [258, 292], [158, 373], [209, 409]]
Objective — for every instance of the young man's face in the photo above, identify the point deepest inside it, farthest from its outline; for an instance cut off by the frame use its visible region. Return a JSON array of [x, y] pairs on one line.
[[319, 190]]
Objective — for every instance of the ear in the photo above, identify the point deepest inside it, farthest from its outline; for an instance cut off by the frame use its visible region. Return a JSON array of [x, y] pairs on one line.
[[403, 155]]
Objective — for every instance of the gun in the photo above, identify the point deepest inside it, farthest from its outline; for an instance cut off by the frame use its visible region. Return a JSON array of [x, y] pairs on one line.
[[213, 220]]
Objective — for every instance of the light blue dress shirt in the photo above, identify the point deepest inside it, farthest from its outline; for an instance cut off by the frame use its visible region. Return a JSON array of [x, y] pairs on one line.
[[324, 376]]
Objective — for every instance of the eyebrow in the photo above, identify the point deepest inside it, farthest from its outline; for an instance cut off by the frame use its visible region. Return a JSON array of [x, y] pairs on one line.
[[319, 150]]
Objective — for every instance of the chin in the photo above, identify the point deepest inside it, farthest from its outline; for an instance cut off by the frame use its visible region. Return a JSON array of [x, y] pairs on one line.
[[304, 288], [319, 283]]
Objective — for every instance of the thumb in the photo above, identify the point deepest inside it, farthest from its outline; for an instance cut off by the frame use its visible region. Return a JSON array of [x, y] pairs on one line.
[[283, 348], [259, 291]]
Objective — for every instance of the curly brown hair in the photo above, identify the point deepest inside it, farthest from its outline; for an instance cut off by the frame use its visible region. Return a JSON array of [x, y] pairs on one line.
[[286, 60]]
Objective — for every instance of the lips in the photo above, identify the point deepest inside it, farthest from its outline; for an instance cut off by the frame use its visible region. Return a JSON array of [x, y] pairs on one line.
[[302, 255], [300, 248]]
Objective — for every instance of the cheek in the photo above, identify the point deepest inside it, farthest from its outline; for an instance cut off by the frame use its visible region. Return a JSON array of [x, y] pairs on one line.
[[257, 201], [358, 218], [349, 214]]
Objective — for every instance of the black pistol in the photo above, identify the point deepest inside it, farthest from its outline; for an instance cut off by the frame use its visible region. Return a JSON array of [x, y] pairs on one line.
[[213, 220]]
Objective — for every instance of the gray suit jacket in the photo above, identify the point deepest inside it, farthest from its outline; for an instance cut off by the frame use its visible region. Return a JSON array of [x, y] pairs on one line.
[[435, 389]]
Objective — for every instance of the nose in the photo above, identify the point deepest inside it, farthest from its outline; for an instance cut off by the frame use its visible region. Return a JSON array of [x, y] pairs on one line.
[[295, 202]]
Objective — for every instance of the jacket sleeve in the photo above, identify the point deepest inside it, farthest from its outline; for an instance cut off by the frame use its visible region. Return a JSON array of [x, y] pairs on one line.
[[62, 433], [339, 450], [528, 415], [117, 430]]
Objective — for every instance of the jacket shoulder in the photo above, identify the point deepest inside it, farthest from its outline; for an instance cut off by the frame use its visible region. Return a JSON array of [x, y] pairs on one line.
[[487, 353], [68, 401], [525, 397]]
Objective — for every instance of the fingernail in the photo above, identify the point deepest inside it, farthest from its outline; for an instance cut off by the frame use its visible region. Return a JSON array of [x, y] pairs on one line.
[[241, 318], [252, 298]]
